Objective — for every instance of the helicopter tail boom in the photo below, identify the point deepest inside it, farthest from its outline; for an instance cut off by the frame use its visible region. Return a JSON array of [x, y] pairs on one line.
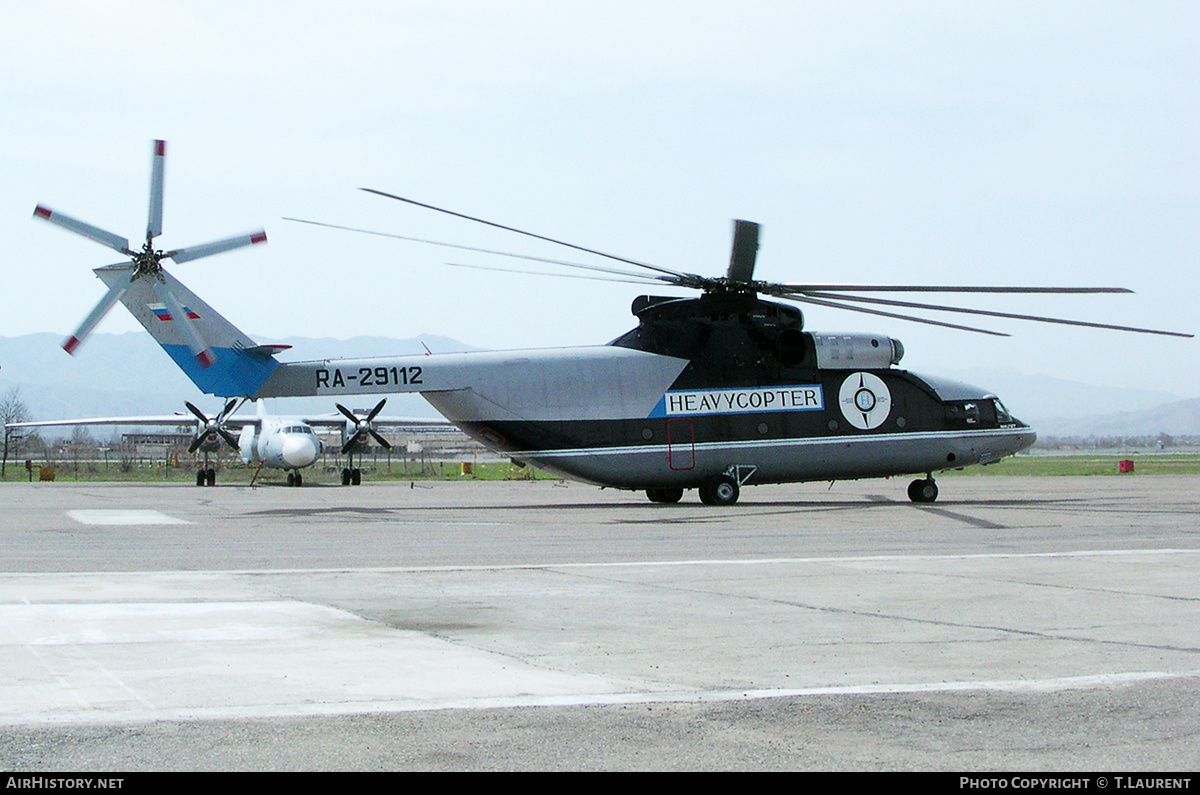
[[234, 364]]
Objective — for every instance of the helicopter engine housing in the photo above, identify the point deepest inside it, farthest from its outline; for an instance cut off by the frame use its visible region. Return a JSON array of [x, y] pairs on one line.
[[857, 351]]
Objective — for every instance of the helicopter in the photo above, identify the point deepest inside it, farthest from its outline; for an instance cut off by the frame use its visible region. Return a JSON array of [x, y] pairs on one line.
[[713, 393]]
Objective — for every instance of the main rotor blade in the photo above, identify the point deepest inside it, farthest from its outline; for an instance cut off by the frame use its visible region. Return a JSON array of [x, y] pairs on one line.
[[965, 311], [101, 236], [71, 343], [154, 225], [819, 302], [522, 232], [634, 278], [216, 247], [935, 288], [195, 342], [597, 268]]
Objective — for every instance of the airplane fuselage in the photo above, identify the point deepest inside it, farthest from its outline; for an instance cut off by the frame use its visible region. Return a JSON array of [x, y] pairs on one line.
[[280, 443]]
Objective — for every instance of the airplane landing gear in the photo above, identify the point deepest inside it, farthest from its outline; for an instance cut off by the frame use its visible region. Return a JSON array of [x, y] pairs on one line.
[[295, 479], [351, 476], [206, 477], [923, 490]]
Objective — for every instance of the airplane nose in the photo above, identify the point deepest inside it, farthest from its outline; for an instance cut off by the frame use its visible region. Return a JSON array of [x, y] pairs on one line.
[[299, 451]]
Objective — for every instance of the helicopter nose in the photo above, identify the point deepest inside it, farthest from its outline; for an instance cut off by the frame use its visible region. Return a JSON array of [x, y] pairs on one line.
[[299, 451]]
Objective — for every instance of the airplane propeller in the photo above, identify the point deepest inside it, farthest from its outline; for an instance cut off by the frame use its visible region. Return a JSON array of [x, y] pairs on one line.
[[739, 279], [362, 425], [147, 262], [215, 425]]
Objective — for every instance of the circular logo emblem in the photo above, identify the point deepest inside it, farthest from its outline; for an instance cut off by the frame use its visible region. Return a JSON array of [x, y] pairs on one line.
[[865, 401]]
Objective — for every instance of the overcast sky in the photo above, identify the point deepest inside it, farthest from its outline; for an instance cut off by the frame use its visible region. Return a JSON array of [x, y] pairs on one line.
[[1002, 143]]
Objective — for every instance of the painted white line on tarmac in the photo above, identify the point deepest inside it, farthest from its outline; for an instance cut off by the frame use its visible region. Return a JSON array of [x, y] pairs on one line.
[[619, 564], [300, 710], [123, 517]]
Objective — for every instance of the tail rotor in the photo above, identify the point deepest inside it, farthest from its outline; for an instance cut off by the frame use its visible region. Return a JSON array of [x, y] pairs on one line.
[[147, 262]]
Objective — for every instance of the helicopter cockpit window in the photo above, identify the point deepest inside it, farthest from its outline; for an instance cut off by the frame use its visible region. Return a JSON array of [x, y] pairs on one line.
[[963, 412], [1002, 415]]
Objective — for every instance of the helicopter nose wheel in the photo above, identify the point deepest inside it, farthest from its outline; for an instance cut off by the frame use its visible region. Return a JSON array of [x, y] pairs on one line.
[[923, 490], [721, 490]]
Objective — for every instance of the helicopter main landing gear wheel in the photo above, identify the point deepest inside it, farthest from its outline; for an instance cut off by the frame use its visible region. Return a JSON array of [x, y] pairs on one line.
[[923, 490], [721, 490], [667, 495]]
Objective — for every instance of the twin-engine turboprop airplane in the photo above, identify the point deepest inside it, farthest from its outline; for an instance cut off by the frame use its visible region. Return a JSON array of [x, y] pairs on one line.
[[289, 443], [712, 393]]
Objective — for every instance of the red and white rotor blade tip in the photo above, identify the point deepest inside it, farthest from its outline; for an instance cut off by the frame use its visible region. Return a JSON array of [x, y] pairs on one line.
[[95, 316], [154, 224], [101, 236], [196, 343], [217, 247]]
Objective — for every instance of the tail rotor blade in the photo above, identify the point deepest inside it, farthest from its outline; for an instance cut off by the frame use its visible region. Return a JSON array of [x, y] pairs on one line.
[[154, 225], [71, 343], [217, 247], [101, 236], [195, 343]]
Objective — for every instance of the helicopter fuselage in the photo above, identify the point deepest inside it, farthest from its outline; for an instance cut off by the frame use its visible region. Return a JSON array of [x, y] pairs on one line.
[[722, 384]]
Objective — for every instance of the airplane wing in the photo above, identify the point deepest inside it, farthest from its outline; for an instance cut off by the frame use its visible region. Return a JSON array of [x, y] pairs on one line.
[[337, 421], [172, 420], [167, 419]]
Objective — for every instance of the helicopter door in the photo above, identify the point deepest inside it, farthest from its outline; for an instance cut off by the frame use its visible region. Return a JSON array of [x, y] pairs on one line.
[[681, 444]]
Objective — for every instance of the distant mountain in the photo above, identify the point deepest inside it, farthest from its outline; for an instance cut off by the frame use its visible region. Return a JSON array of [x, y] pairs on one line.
[[1040, 398], [1181, 418]]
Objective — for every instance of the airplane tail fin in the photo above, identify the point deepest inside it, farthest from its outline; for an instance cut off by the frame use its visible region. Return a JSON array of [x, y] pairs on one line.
[[230, 363]]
